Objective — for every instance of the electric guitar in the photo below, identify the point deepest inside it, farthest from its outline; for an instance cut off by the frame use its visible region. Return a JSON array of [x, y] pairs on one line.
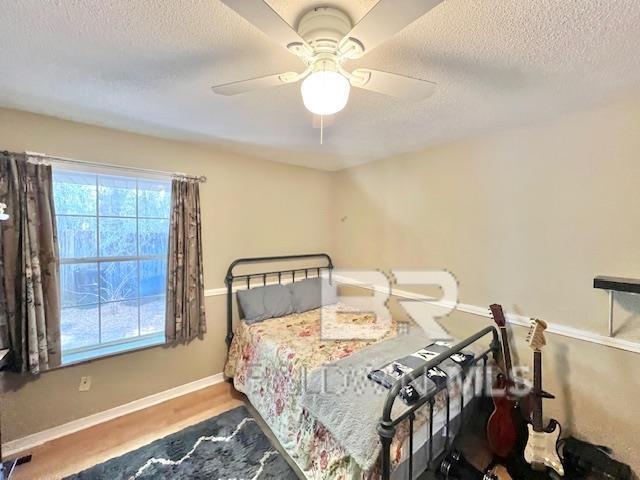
[[541, 451], [502, 432]]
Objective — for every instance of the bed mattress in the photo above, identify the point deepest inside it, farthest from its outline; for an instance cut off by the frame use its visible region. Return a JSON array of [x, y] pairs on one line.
[[269, 362]]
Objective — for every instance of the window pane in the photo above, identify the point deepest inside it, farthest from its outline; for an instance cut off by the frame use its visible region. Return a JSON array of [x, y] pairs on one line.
[[79, 283], [154, 199], [117, 237], [153, 236], [109, 299], [79, 327], [117, 196], [119, 320], [76, 236], [74, 193], [152, 315], [153, 277], [118, 281]]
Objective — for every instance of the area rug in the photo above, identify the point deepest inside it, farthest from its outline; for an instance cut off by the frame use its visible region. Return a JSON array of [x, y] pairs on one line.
[[229, 446]]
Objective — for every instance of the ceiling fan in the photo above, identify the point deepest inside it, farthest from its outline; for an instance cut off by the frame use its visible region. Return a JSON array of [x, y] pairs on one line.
[[325, 39]]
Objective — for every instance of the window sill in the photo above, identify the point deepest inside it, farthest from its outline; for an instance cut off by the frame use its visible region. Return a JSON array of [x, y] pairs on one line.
[[93, 353]]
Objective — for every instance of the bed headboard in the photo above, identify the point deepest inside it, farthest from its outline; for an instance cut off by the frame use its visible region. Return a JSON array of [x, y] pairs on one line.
[[313, 263]]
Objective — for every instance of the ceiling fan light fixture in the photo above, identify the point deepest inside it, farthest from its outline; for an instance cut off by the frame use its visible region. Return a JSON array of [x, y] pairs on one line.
[[325, 92]]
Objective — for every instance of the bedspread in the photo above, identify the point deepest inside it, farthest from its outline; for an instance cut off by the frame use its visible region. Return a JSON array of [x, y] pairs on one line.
[[269, 362]]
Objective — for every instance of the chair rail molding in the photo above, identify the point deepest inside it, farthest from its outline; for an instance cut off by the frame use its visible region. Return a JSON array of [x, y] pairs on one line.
[[512, 318]]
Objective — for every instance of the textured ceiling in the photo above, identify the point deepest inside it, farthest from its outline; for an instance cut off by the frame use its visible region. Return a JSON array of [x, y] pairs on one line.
[[147, 66]]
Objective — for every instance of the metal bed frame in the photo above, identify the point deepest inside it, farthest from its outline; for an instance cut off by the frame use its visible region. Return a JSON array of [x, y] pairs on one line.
[[230, 278], [388, 425]]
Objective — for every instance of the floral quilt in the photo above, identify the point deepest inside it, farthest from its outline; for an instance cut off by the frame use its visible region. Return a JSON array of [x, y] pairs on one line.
[[269, 361]]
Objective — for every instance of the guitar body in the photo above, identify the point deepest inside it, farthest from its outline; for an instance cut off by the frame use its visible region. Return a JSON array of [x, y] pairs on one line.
[[502, 433], [541, 450]]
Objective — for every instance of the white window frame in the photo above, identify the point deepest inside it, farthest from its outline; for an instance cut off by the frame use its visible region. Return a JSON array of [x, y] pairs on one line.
[[115, 347]]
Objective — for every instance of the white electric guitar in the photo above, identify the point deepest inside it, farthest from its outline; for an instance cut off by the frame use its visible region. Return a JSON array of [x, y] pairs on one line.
[[541, 450]]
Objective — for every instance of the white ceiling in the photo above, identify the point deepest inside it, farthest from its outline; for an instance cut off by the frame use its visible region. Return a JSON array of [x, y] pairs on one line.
[[147, 66]]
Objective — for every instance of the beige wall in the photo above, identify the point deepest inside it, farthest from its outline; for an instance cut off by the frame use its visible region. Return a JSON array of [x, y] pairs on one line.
[[249, 208], [526, 218]]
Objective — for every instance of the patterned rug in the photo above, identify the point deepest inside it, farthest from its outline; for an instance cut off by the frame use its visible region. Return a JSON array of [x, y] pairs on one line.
[[229, 446]]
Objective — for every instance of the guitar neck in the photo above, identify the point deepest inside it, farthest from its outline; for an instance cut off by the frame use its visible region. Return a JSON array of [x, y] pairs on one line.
[[506, 352], [536, 418]]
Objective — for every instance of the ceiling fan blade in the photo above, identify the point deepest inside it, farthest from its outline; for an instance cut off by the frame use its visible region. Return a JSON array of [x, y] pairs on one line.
[[242, 86], [385, 19], [265, 18], [393, 84]]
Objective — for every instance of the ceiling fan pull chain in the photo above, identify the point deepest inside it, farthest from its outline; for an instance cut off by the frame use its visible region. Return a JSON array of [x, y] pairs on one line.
[[321, 128]]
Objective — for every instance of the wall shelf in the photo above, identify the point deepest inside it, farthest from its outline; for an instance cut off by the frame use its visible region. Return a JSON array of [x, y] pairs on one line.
[[616, 284]]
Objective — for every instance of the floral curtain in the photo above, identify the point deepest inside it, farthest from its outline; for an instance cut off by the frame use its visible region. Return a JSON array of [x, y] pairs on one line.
[[30, 285], [185, 283]]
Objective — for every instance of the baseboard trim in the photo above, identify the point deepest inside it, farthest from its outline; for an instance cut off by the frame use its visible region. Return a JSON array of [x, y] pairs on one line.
[[22, 445]]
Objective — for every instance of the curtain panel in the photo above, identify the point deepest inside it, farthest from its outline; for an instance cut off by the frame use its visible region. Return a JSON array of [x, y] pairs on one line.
[[185, 318], [30, 285]]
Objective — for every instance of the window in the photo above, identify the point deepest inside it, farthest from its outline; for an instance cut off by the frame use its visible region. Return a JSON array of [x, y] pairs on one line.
[[113, 237]]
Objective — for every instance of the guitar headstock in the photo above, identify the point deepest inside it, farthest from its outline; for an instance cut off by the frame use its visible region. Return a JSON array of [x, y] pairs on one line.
[[498, 314], [535, 338]]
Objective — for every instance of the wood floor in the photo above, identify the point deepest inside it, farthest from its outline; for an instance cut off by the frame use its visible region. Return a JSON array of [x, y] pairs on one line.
[[78, 451]]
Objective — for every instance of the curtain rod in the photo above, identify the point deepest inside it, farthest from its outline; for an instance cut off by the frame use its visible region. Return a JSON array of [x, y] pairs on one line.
[[201, 178]]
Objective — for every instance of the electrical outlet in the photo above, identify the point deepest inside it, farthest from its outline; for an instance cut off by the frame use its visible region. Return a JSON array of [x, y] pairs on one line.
[[85, 384]]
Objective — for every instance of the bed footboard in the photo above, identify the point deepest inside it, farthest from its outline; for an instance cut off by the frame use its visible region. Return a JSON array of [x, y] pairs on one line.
[[387, 426]]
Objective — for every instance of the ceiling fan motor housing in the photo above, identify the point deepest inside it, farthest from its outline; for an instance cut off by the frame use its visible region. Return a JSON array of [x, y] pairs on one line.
[[323, 28]]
